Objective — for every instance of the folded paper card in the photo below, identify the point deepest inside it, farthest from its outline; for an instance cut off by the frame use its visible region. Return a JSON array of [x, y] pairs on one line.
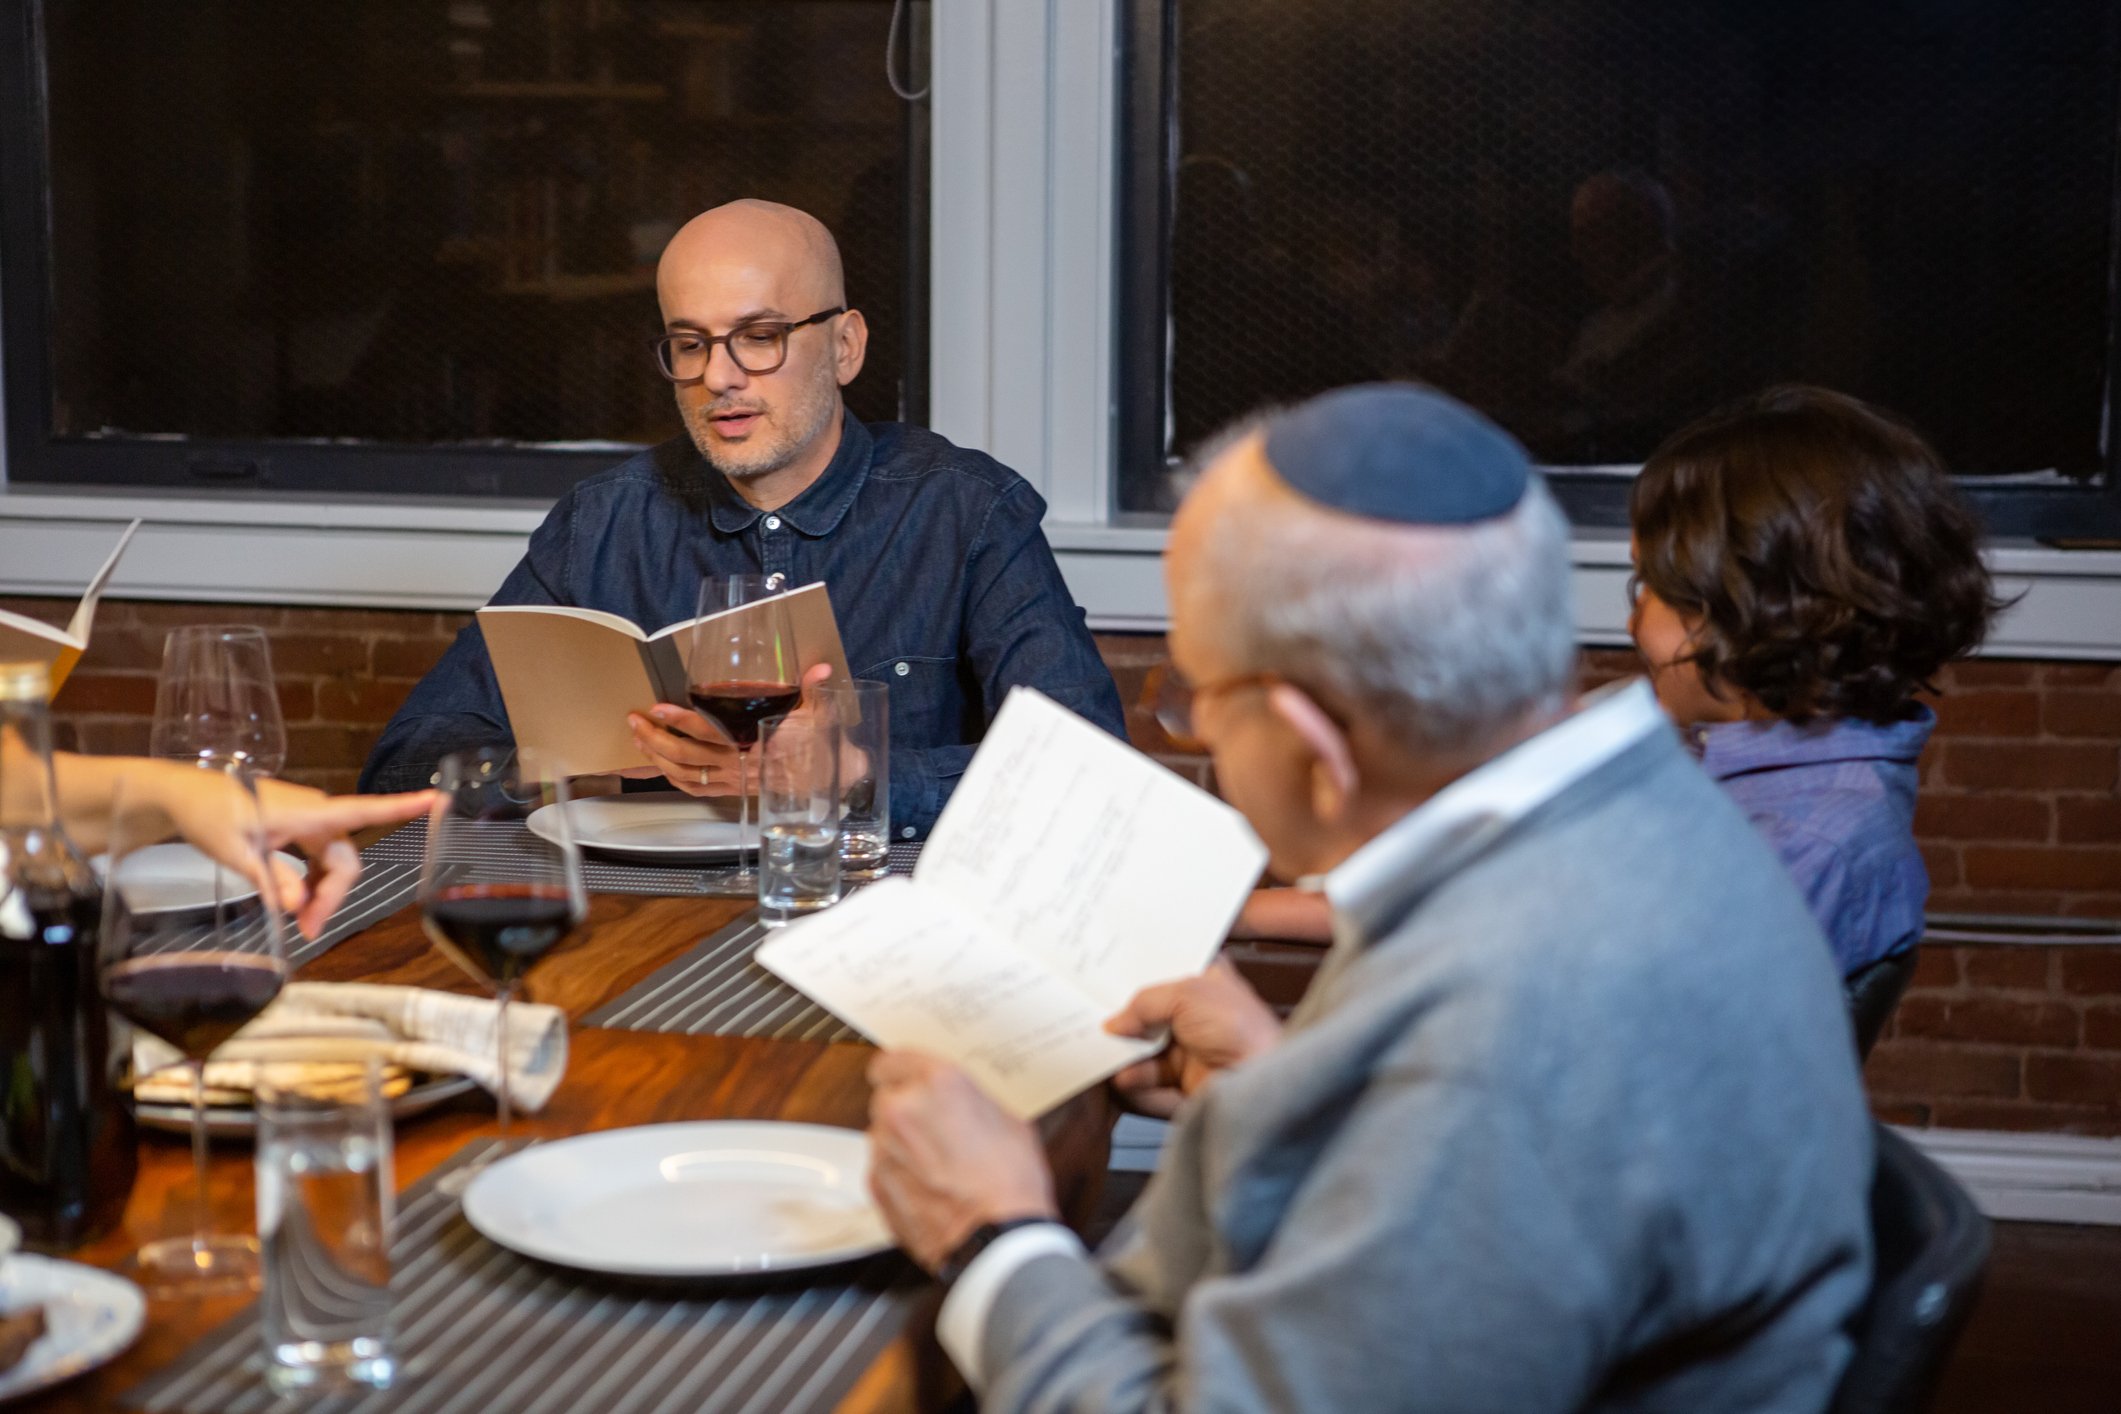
[[1068, 872], [25, 640], [569, 676]]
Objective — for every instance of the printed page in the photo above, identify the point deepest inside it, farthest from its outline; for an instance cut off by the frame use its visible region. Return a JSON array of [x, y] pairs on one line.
[[1089, 856], [910, 970]]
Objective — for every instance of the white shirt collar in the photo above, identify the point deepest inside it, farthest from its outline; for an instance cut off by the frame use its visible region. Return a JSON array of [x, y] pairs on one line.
[[1447, 830]]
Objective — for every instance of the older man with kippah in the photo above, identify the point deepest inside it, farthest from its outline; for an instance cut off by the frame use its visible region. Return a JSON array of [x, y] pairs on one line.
[[1565, 1122]]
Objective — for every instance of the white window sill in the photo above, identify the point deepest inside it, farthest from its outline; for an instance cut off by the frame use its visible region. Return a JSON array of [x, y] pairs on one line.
[[379, 553]]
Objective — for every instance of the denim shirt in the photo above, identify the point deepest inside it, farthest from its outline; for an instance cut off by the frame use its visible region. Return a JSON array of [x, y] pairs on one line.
[[1836, 798], [942, 581]]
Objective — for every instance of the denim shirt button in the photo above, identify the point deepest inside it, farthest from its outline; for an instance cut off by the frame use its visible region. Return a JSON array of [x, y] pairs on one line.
[[907, 833], [902, 669], [773, 522]]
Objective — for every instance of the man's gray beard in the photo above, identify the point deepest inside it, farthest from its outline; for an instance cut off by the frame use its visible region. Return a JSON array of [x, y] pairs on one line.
[[696, 428], [734, 473], [743, 473]]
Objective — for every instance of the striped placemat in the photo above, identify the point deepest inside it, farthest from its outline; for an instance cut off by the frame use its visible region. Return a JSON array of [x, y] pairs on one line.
[[718, 988], [479, 1328], [384, 887], [408, 843]]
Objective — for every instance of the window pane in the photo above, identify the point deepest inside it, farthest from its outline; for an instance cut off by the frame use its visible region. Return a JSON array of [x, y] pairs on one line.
[[438, 220], [1597, 218]]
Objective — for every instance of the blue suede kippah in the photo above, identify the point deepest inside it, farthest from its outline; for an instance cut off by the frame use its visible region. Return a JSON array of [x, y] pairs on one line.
[[1398, 452]]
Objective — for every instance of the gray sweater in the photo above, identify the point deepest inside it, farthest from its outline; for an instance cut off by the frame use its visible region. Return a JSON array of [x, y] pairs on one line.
[[1580, 1128]]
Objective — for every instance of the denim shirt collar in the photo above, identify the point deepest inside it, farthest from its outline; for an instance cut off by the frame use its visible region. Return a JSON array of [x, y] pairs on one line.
[[1729, 749], [818, 511]]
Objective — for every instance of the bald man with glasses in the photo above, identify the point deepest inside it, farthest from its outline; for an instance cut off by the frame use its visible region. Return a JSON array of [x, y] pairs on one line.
[[941, 578]]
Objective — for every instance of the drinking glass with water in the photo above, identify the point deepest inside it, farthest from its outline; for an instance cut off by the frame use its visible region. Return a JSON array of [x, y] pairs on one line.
[[799, 816], [325, 1212], [863, 711]]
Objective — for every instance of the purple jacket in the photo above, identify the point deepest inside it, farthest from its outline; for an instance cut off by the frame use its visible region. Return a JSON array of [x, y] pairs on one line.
[[1836, 799]]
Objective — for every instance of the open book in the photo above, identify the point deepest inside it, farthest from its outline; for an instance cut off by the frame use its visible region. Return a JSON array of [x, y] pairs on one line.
[[28, 641], [1068, 872], [569, 676]]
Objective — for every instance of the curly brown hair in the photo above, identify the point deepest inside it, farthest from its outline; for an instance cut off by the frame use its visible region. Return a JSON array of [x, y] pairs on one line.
[[1820, 542]]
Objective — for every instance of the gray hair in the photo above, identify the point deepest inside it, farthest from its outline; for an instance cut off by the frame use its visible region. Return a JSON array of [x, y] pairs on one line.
[[1441, 636]]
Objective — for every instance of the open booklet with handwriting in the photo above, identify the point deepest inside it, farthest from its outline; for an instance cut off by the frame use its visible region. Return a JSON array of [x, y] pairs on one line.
[[1068, 872]]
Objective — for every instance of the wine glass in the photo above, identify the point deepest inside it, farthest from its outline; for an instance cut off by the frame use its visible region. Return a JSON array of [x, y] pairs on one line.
[[216, 701], [193, 946], [743, 669], [495, 896]]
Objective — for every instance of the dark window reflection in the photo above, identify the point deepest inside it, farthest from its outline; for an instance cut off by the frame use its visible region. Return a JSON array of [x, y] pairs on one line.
[[1596, 218], [438, 220]]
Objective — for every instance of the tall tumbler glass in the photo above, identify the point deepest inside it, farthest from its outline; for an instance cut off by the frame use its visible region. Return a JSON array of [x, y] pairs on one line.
[[325, 1212], [799, 816], [863, 711]]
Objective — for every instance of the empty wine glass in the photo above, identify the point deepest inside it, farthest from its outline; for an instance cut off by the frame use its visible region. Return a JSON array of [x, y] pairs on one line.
[[193, 945], [743, 669], [496, 895], [216, 702]]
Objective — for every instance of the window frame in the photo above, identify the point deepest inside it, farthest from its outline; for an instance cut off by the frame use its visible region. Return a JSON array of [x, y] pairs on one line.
[[1024, 318], [1146, 157], [183, 465]]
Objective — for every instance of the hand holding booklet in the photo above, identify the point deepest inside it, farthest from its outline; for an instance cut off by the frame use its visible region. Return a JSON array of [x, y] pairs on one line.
[[1068, 872], [570, 675]]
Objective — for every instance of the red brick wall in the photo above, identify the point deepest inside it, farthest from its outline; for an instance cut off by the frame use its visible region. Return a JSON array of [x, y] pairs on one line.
[[2020, 813], [2006, 1038], [342, 673]]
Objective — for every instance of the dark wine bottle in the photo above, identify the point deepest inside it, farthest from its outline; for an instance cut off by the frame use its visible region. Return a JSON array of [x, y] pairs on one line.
[[67, 1144]]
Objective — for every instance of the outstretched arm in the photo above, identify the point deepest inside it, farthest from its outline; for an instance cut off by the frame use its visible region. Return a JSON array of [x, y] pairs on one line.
[[163, 799]]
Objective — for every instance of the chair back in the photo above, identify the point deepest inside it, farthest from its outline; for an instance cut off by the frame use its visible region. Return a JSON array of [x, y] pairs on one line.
[[1873, 991], [1930, 1244]]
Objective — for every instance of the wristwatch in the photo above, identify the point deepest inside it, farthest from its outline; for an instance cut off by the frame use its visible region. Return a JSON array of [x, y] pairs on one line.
[[981, 1239]]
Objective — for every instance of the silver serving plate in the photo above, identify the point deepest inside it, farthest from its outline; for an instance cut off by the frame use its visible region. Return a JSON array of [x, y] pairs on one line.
[[241, 1121]]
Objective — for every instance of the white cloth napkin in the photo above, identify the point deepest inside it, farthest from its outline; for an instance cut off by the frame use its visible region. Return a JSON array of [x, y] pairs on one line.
[[440, 1033]]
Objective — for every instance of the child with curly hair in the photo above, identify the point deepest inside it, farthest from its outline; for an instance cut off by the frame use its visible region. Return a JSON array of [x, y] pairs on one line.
[[1803, 567]]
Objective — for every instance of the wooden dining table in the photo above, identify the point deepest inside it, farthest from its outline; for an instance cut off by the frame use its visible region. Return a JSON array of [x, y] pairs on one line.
[[613, 1079]]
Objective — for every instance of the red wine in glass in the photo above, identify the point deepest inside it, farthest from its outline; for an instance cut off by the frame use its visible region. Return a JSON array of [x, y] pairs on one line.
[[496, 931], [739, 707], [193, 1000], [743, 668], [193, 975]]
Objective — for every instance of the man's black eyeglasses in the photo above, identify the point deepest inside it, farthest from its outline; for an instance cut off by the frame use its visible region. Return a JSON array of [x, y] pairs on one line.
[[758, 347]]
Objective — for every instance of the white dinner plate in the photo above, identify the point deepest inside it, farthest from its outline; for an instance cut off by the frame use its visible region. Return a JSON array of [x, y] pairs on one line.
[[665, 826], [89, 1316], [163, 878], [710, 1198]]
